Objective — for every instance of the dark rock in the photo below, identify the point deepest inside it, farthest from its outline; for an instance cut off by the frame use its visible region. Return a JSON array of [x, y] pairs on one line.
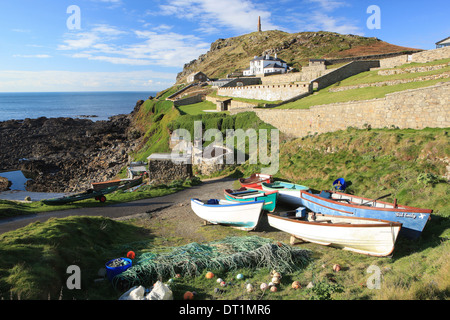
[[65, 154], [4, 184]]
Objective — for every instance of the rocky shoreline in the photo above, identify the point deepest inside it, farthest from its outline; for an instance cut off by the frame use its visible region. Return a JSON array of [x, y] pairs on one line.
[[66, 154]]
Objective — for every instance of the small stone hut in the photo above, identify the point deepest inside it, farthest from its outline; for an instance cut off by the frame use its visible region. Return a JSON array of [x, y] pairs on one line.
[[165, 167]]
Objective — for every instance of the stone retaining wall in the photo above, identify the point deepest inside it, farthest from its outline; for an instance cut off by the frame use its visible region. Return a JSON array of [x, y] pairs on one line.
[[420, 57], [266, 92], [416, 109]]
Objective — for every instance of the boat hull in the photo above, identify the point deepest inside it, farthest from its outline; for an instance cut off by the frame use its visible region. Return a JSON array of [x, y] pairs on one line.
[[366, 236], [288, 193], [97, 194], [247, 195], [244, 216], [413, 220], [255, 180]]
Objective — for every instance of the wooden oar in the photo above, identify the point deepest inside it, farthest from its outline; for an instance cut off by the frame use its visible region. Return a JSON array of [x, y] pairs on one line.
[[386, 195]]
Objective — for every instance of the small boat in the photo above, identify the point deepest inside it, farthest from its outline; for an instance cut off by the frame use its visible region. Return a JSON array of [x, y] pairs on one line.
[[288, 193], [88, 194], [96, 186], [244, 195], [91, 193], [362, 235], [255, 180], [241, 215], [413, 219]]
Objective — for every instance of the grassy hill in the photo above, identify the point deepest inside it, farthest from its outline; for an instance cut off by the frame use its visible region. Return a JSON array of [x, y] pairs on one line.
[[406, 163], [378, 85], [233, 54]]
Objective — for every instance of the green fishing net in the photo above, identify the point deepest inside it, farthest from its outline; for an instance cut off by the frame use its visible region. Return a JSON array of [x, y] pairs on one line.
[[228, 254]]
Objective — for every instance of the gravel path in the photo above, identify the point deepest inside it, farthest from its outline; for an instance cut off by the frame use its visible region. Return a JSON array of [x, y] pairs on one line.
[[207, 189]]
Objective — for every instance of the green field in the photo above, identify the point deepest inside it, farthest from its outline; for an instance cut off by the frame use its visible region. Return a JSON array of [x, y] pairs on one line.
[[324, 96], [405, 163]]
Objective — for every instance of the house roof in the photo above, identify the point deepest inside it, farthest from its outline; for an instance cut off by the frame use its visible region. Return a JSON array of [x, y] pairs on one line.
[[269, 58], [195, 73], [274, 65], [446, 40]]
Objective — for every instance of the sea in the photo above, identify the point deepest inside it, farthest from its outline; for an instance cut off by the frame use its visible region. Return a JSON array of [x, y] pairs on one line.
[[92, 105]]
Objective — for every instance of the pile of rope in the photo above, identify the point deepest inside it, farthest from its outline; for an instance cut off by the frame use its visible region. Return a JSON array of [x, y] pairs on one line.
[[228, 254]]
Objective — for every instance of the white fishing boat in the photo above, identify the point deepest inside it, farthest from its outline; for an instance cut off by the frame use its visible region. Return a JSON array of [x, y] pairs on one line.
[[288, 193], [362, 235], [241, 215]]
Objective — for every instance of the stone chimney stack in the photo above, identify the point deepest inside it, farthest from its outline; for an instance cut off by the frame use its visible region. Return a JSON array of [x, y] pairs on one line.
[[259, 24]]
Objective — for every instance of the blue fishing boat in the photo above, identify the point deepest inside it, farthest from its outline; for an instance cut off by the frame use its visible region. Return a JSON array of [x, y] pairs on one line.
[[246, 195], [288, 193], [413, 219]]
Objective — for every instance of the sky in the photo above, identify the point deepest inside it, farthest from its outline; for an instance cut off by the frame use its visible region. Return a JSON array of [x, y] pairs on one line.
[[136, 45]]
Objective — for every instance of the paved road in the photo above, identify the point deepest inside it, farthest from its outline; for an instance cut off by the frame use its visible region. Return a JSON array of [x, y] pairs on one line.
[[206, 190]]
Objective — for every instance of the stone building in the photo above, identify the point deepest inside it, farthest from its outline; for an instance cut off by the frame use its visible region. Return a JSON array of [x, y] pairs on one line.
[[197, 77], [165, 167], [265, 65], [443, 43]]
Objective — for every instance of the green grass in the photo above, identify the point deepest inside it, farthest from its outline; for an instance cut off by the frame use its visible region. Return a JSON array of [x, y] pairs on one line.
[[152, 119], [376, 162], [35, 258], [255, 102], [14, 209], [373, 77], [325, 97], [197, 108]]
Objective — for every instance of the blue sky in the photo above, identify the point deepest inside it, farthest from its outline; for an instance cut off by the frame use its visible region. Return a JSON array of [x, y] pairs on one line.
[[131, 45]]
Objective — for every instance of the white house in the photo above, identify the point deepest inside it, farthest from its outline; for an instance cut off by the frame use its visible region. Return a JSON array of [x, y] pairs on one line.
[[443, 43], [266, 65]]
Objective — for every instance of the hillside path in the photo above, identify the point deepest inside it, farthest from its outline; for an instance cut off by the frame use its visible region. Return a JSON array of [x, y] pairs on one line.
[[207, 189]]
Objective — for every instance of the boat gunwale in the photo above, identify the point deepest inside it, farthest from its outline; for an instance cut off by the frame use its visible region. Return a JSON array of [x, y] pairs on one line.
[[257, 195], [199, 202], [265, 184], [383, 223], [401, 208]]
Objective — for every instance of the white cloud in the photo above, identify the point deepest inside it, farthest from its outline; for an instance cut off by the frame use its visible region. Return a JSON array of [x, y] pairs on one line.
[[329, 5], [38, 56], [109, 44], [335, 24], [319, 15], [33, 81], [238, 15]]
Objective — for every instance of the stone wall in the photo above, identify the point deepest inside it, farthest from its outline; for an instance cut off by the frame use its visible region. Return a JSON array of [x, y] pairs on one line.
[[444, 75], [266, 92], [165, 170], [416, 109], [420, 57], [190, 100], [348, 70]]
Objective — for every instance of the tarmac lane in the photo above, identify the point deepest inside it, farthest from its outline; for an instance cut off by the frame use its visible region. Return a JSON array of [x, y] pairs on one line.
[[208, 189]]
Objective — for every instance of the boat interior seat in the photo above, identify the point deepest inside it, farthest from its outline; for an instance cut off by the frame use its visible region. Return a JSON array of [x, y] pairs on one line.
[[325, 195]]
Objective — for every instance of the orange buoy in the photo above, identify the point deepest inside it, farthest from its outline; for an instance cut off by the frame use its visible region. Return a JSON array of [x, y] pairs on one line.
[[131, 255], [209, 275], [188, 295]]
